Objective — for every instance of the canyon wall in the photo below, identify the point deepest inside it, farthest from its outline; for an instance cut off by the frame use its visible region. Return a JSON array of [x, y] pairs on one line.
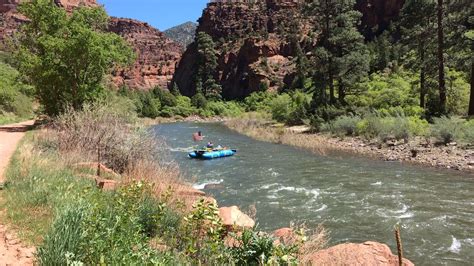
[[252, 41]]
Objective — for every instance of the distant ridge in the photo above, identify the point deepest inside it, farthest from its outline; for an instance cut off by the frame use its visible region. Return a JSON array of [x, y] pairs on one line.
[[183, 33]]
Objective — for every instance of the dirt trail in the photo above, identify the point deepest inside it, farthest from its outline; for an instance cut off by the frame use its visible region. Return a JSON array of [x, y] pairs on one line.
[[12, 252]]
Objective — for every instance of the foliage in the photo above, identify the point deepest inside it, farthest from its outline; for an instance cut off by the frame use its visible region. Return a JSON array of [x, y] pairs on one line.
[[199, 100], [226, 109], [207, 63], [66, 57], [260, 249], [391, 94], [344, 125], [290, 108], [258, 101], [340, 55], [15, 97], [447, 130]]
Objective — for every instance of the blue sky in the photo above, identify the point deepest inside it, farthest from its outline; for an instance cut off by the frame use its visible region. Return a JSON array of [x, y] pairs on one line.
[[161, 14]]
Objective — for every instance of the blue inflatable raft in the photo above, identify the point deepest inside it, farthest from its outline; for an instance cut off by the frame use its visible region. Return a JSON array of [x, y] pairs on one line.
[[211, 154]]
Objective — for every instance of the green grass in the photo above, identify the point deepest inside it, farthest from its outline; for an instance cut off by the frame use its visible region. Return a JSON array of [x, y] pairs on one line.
[[6, 119], [36, 186]]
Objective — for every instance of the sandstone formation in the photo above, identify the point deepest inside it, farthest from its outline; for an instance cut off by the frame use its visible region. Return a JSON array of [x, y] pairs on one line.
[[250, 40], [253, 44], [368, 253], [157, 55]]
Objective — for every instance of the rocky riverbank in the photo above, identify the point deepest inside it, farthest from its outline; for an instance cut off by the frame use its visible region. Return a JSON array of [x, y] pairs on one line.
[[420, 151]]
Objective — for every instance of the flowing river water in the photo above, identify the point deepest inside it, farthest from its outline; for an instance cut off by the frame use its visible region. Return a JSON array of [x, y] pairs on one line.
[[355, 198]]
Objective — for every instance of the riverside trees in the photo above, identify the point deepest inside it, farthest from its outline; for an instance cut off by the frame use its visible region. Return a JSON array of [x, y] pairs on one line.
[[340, 57], [66, 56]]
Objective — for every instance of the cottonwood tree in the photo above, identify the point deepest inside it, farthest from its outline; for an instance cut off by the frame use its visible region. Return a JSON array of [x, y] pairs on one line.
[[207, 63], [66, 56], [341, 55]]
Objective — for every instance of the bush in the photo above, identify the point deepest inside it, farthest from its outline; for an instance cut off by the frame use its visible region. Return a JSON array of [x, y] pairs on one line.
[[385, 128], [97, 127], [226, 109], [259, 249], [15, 97], [166, 98], [447, 130], [259, 101], [183, 108], [281, 107], [199, 101], [468, 129], [344, 125]]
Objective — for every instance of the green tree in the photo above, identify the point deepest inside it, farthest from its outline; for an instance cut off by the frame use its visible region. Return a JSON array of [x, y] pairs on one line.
[[418, 24], [340, 57], [66, 56], [441, 48], [460, 24], [207, 64]]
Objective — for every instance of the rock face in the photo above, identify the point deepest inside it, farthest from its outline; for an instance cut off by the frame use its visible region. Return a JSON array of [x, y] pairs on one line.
[[368, 253], [377, 14], [253, 45], [157, 55]]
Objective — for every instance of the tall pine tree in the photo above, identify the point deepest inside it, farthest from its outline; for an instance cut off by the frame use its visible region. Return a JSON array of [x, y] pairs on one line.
[[207, 63], [341, 56], [418, 23]]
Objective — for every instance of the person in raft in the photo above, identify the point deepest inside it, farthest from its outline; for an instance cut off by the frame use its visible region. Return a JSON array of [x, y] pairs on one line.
[[198, 136], [210, 145]]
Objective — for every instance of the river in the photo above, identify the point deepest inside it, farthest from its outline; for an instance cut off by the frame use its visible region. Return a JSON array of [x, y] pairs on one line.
[[355, 198]]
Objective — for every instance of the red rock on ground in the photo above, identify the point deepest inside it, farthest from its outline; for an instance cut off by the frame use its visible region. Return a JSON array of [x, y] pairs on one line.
[[232, 217], [285, 236], [368, 253]]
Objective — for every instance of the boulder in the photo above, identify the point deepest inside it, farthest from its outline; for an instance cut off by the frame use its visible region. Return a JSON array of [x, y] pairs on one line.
[[233, 218], [285, 236], [368, 253]]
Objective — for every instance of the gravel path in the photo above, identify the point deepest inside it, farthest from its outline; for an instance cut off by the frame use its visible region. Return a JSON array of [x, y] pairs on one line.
[[12, 252]]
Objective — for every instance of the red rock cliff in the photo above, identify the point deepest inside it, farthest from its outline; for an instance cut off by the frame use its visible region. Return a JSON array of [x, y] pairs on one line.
[[253, 49], [157, 55]]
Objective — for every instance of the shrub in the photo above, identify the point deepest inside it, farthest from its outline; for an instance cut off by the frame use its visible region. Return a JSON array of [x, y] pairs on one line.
[[259, 249], [447, 130], [258, 101], [183, 108], [220, 108], [418, 126], [199, 100], [468, 129], [281, 107], [96, 127], [344, 125], [166, 98], [384, 128]]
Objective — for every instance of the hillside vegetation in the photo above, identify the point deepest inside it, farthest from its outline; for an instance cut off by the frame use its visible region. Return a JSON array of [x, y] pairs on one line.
[[182, 34]]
